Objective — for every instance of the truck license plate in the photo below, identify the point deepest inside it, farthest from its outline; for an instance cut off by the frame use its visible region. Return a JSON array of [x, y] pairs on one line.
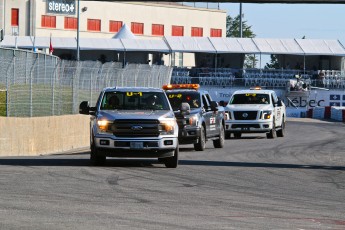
[[136, 145]]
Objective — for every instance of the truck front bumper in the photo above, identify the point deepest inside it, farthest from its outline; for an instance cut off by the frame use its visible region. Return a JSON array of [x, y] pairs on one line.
[[189, 134], [263, 126], [136, 147]]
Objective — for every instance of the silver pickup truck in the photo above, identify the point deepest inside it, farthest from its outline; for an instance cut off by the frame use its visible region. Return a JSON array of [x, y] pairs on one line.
[[132, 122]]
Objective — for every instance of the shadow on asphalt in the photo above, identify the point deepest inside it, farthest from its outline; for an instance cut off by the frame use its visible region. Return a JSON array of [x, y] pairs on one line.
[[258, 165], [62, 161]]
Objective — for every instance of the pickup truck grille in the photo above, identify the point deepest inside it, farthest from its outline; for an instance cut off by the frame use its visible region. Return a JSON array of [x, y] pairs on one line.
[[135, 128], [245, 115]]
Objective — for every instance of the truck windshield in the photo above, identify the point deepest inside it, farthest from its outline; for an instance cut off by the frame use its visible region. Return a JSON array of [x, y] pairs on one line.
[[177, 98], [134, 101], [250, 98]]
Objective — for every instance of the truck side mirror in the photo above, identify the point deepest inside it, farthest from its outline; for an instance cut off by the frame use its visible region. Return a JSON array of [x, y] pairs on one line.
[[84, 108], [222, 103], [185, 108], [214, 106], [279, 103], [1, 35]]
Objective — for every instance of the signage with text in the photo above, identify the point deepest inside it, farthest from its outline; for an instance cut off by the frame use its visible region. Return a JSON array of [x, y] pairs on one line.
[[61, 7]]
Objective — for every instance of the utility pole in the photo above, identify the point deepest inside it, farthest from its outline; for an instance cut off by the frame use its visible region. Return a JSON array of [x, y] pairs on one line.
[[78, 24], [241, 29]]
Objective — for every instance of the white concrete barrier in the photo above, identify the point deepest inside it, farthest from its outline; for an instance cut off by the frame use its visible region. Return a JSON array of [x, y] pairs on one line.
[[43, 135]]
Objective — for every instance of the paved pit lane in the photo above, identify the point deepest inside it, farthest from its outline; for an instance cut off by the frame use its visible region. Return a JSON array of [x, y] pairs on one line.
[[295, 182]]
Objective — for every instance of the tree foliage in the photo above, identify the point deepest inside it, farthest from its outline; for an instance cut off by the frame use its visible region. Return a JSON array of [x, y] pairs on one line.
[[274, 64], [233, 30]]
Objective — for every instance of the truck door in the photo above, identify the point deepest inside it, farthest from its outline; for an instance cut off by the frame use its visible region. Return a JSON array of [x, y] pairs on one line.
[[209, 117], [277, 110]]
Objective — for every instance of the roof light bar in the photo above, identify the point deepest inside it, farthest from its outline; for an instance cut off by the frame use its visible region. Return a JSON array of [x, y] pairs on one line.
[[255, 88], [181, 86]]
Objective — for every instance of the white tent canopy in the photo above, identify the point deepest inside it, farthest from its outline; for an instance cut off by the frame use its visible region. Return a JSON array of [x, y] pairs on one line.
[[28, 42], [145, 45], [124, 32], [190, 44], [100, 44], [234, 45], [172, 44], [278, 46], [321, 47]]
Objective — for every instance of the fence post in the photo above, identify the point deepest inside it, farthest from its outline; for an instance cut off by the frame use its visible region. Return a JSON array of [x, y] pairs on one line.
[[53, 86], [74, 86], [31, 83], [8, 84]]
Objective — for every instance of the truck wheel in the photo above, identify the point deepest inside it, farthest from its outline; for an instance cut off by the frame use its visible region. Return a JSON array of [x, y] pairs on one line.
[[237, 135], [172, 162], [272, 134], [96, 158], [281, 132], [200, 146], [219, 143]]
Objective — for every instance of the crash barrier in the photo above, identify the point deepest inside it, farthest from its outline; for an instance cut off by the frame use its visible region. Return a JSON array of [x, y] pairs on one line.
[[21, 136], [328, 112], [318, 113], [338, 113]]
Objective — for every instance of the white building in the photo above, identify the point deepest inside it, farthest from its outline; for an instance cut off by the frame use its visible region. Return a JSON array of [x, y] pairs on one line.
[[103, 19]]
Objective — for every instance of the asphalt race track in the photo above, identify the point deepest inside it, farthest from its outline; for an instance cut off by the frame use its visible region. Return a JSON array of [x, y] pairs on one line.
[[295, 182]]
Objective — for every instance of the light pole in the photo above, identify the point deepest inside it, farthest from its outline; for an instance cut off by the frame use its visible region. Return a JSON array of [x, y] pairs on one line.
[[241, 29], [78, 48]]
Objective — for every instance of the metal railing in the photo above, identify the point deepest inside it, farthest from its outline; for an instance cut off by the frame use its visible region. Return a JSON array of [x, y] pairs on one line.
[[37, 84]]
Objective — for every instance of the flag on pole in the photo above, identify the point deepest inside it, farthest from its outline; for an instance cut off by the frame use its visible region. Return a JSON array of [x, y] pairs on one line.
[[51, 49]]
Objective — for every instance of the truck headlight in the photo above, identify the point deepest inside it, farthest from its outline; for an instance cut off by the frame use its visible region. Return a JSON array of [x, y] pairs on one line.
[[227, 115], [267, 114], [167, 127], [103, 126], [193, 120]]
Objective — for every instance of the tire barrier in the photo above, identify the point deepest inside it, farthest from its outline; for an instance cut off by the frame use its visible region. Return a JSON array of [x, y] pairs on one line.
[[328, 112]]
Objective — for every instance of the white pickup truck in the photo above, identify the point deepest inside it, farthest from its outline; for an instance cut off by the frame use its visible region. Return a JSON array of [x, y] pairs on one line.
[[255, 111]]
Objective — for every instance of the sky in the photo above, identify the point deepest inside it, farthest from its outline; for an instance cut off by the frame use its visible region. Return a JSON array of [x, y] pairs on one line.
[[314, 21]]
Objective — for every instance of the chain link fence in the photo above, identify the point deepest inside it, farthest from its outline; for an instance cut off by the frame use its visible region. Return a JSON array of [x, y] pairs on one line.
[[36, 84]]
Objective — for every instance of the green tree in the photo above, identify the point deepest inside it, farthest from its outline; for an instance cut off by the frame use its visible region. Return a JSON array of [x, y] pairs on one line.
[[233, 30], [274, 64]]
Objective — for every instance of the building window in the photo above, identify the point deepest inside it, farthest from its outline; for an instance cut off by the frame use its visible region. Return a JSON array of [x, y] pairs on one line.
[[216, 32], [115, 26], [48, 21], [14, 17], [137, 28], [158, 29], [71, 23], [197, 32], [177, 31], [94, 24]]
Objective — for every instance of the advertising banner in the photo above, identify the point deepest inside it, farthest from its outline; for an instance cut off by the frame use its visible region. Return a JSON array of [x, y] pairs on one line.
[[61, 7]]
